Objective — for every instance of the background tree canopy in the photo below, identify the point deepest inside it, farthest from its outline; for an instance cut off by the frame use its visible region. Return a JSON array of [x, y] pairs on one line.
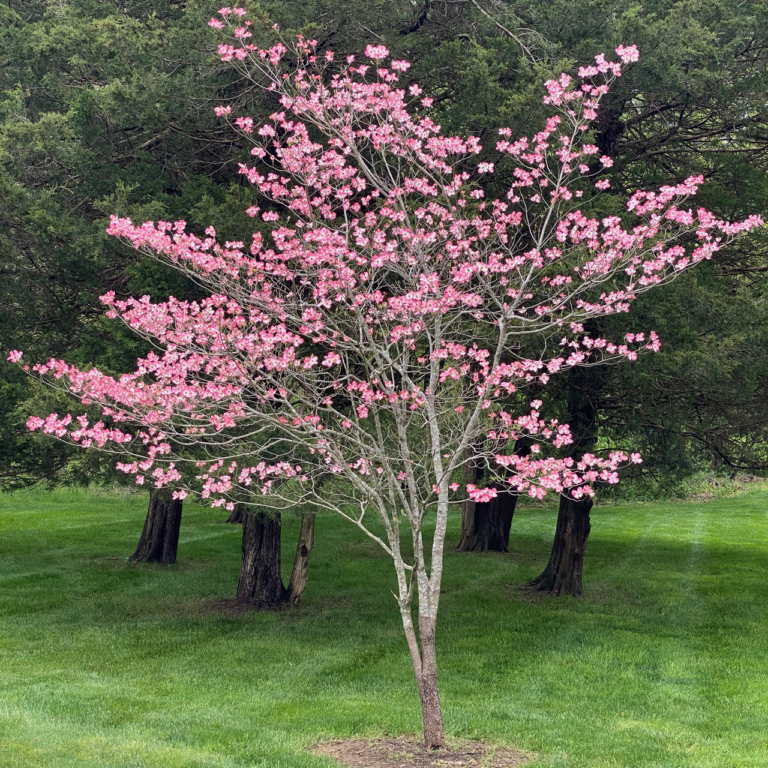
[[107, 107]]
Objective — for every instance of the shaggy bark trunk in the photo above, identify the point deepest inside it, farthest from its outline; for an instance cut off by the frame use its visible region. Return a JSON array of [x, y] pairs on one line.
[[431, 713], [300, 573], [159, 539], [236, 516], [485, 525], [563, 574], [260, 583]]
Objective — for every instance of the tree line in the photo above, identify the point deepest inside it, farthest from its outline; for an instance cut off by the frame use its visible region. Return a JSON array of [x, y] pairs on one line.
[[108, 109]]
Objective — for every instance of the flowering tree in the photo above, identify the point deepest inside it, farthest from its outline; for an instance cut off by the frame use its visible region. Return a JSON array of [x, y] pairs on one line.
[[379, 341]]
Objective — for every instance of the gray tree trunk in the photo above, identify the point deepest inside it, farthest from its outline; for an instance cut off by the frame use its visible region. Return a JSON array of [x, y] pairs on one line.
[[300, 573]]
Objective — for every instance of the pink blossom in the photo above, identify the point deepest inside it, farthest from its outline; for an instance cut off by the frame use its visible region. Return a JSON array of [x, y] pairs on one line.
[[376, 52], [481, 494], [628, 54]]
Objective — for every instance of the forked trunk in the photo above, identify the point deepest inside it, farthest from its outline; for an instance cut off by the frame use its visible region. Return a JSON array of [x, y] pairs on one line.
[[485, 525], [431, 713], [260, 584], [564, 569], [160, 536], [300, 573], [236, 516]]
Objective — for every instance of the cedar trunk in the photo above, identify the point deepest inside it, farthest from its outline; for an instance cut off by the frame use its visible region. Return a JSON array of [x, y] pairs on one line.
[[485, 525], [160, 536], [260, 583], [236, 516], [563, 573]]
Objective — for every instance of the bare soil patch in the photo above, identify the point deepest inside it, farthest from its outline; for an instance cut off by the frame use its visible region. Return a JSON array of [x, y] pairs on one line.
[[407, 752], [233, 609]]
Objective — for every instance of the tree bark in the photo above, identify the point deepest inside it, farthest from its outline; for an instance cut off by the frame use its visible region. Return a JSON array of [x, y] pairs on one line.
[[300, 573], [485, 525], [563, 574], [236, 516], [260, 584], [159, 539], [431, 713]]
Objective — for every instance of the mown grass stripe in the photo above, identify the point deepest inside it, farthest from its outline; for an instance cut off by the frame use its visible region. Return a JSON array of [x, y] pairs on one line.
[[663, 663]]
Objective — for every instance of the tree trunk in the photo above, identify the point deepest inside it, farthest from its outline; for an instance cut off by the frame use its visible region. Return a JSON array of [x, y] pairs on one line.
[[260, 583], [236, 516], [563, 572], [160, 536], [300, 573], [431, 713], [485, 525]]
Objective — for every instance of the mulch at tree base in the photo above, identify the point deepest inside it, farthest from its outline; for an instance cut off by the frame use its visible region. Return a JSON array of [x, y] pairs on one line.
[[407, 752]]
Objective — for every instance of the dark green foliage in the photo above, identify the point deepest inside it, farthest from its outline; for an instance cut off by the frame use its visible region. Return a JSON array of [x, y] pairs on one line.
[[108, 108], [104, 109]]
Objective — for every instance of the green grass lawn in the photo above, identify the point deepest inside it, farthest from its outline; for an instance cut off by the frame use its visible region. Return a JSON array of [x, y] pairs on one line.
[[102, 662]]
